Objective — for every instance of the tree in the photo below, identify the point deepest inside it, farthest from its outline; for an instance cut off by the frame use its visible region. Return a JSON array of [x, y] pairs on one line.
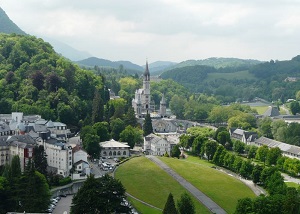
[[256, 173], [91, 145], [273, 155], [147, 126], [33, 191], [101, 129], [131, 135], [175, 151], [210, 148], [40, 160], [244, 206], [218, 158], [291, 203], [170, 207], [295, 107], [246, 169], [38, 79], [15, 167], [223, 137], [238, 147], [117, 126], [98, 108], [262, 153], [252, 152], [185, 204], [130, 118], [177, 106], [100, 195], [5, 196], [264, 126], [198, 143], [275, 184]]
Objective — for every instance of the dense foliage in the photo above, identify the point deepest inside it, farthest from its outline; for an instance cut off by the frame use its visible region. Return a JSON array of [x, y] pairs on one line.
[[236, 83], [20, 192], [36, 80], [100, 195]]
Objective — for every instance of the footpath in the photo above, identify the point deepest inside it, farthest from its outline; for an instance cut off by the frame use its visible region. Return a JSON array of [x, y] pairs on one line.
[[205, 200]]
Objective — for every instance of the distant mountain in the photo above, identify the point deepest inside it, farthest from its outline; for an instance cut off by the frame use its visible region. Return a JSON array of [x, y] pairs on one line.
[[7, 25], [128, 66], [67, 51], [218, 62], [158, 67]]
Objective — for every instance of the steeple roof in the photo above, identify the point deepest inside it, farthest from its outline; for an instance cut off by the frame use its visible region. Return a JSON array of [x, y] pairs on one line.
[[146, 72]]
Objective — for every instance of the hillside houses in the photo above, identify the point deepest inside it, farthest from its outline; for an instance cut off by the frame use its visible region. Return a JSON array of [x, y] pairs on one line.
[[20, 134], [242, 135], [251, 138], [287, 149]]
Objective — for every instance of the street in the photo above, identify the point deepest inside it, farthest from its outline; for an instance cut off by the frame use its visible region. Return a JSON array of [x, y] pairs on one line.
[[64, 205]]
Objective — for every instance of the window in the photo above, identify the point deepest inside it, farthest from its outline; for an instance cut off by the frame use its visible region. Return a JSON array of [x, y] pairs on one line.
[[124, 153]]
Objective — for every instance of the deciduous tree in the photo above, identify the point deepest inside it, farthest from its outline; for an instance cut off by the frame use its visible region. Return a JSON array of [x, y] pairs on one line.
[[100, 195]]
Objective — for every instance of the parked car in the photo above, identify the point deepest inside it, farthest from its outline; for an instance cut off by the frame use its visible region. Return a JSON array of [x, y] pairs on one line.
[[63, 195]]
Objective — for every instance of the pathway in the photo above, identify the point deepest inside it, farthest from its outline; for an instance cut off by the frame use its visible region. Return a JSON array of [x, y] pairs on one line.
[[143, 202], [206, 201]]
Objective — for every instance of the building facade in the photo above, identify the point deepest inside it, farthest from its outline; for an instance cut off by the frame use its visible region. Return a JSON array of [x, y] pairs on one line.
[[142, 103], [114, 149]]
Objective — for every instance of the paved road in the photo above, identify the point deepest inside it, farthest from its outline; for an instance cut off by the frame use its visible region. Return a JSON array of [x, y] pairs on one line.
[[206, 201], [64, 205]]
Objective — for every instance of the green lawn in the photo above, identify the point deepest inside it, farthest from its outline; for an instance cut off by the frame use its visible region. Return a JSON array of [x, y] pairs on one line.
[[292, 184], [220, 187], [260, 109], [146, 181]]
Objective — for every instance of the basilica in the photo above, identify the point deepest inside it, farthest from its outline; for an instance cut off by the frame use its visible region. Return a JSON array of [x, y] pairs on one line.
[[142, 103]]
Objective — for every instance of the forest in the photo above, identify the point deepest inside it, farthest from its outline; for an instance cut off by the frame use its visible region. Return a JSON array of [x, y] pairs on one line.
[[36, 80], [240, 83]]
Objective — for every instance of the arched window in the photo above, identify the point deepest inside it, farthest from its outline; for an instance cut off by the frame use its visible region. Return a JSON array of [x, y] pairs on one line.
[[104, 153], [124, 153], [110, 153], [119, 153], [114, 153]]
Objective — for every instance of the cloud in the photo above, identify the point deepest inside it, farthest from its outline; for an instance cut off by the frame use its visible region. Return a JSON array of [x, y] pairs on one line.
[[165, 29]]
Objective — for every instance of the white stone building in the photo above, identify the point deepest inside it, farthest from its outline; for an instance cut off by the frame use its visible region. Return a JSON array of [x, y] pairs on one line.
[[157, 145], [114, 149], [59, 156]]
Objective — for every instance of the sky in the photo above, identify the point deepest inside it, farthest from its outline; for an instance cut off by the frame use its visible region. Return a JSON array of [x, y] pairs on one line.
[[165, 30]]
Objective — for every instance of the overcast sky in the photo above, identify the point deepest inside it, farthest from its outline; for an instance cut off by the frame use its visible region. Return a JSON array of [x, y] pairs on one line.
[[172, 30]]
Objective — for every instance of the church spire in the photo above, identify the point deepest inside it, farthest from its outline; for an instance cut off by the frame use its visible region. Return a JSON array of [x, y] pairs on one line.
[[146, 72]]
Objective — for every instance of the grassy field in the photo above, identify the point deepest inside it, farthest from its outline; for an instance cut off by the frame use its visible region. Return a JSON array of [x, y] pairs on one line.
[[146, 181], [260, 109], [142, 208], [221, 188], [229, 76], [292, 184]]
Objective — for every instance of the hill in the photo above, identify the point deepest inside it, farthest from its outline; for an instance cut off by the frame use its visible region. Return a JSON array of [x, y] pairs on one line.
[[67, 51], [158, 67], [240, 81], [7, 25], [121, 65], [36, 80], [218, 62]]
